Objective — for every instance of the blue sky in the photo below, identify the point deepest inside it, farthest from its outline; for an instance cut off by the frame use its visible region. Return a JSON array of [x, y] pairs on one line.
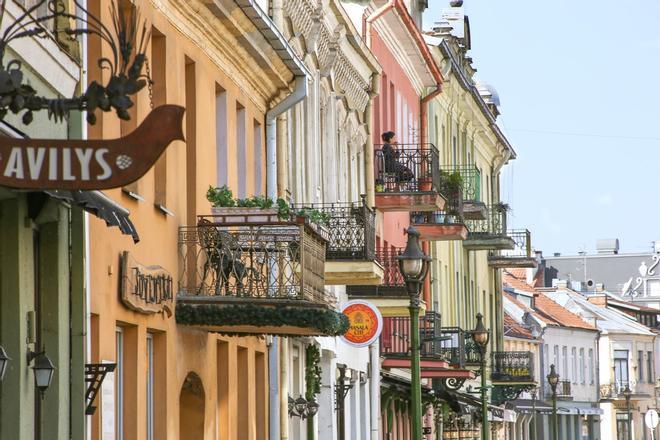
[[579, 83]]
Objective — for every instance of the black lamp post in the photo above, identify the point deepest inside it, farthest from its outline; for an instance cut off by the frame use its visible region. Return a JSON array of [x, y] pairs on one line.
[[553, 380], [627, 394], [414, 265], [4, 360], [481, 337]]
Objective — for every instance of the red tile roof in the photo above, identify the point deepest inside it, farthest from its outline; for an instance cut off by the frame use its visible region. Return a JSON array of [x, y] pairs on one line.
[[544, 308], [515, 330]]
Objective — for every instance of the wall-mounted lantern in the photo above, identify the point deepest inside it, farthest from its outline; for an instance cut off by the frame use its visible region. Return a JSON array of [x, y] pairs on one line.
[[43, 370]]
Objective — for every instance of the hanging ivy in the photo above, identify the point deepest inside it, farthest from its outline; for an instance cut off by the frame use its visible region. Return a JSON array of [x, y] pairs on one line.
[[326, 322], [312, 371]]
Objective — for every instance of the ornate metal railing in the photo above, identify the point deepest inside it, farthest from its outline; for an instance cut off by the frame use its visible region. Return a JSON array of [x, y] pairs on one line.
[[352, 230], [472, 352], [252, 257], [395, 337], [393, 284], [452, 345], [523, 243], [493, 225], [407, 168], [470, 179], [564, 388], [512, 366], [437, 218], [615, 390]]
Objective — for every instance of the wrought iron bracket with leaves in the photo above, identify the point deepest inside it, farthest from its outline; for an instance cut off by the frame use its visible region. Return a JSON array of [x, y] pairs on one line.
[[127, 40]]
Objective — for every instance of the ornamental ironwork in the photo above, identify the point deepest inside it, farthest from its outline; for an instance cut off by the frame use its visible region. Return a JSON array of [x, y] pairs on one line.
[[127, 39], [452, 346], [512, 366], [503, 393], [493, 225], [234, 257], [393, 284], [470, 180], [352, 229], [94, 375], [522, 239], [407, 168], [395, 337]]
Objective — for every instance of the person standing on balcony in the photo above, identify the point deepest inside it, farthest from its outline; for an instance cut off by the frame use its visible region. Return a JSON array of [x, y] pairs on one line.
[[393, 166]]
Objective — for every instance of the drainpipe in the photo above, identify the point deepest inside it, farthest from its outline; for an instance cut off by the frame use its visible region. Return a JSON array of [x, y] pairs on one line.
[[277, 391], [374, 390], [375, 15]]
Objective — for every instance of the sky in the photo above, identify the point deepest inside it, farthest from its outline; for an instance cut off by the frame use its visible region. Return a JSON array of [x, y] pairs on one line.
[[579, 84]]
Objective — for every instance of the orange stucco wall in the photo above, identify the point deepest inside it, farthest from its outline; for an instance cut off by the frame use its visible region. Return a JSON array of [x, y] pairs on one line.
[[233, 370]]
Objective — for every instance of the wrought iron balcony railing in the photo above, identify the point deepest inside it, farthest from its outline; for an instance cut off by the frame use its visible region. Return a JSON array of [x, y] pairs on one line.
[[447, 218], [352, 230], [564, 388], [493, 225], [406, 168], [452, 346], [234, 257], [470, 180], [615, 390], [395, 337], [523, 244], [512, 366], [393, 285]]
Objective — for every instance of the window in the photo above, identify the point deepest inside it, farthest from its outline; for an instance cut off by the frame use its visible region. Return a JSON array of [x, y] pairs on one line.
[[222, 159], [621, 369], [241, 150], [640, 365], [556, 356], [582, 367], [621, 426], [591, 366], [574, 364], [119, 384], [257, 158], [150, 386], [564, 369], [649, 366]]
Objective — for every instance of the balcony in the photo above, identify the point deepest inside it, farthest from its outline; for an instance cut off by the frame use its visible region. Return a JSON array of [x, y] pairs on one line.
[[563, 390], [512, 367], [473, 208], [408, 178], [350, 254], [490, 233], [520, 256], [247, 274], [439, 225], [395, 344]]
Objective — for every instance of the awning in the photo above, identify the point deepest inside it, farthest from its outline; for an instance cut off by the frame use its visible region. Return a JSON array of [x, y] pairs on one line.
[[576, 410], [100, 205], [527, 406]]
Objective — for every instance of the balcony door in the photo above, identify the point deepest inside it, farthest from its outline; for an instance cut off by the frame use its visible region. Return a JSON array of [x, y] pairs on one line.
[[621, 369], [622, 426]]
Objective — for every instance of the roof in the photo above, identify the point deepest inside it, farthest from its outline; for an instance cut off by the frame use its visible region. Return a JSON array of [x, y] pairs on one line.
[[515, 330], [545, 309]]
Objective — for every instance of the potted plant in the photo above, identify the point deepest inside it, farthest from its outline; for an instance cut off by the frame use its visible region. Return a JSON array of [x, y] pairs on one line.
[[380, 186], [425, 183], [258, 207], [452, 188]]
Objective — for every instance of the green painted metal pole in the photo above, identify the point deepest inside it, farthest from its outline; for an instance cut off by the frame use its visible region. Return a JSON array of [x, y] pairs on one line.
[[484, 397], [416, 382], [630, 436], [555, 426]]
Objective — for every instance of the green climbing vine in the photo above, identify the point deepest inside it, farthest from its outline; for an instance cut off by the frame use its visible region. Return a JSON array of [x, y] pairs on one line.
[[312, 371]]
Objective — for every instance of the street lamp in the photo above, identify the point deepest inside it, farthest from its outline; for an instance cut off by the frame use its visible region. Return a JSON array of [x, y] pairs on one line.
[[627, 394], [414, 265], [4, 360], [553, 380], [481, 336], [43, 370]]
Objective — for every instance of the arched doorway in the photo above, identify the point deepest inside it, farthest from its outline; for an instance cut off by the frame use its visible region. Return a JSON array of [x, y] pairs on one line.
[[191, 409]]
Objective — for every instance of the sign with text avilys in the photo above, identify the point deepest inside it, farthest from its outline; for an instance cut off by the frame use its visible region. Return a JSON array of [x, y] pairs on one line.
[[365, 323], [89, 164]]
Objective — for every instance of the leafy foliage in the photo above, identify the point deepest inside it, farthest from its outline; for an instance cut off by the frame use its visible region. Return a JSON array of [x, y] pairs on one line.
[[312, 371], [451, 186], [326, 322]]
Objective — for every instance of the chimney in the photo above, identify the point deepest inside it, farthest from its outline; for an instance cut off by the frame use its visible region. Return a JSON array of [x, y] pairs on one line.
[[557, 254], [600, 287], [608, 246], [598, 300]]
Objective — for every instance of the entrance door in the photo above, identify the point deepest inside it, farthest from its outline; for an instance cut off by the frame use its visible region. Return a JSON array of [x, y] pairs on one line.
[[191, 409], [622, 426]]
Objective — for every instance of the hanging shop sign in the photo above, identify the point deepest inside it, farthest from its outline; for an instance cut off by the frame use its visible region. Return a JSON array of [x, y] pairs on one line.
[[89, 164], [83, 164], [145, 289], [365, 323]]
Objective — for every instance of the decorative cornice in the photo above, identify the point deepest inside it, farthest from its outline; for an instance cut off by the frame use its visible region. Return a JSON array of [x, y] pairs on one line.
[[197, 21]]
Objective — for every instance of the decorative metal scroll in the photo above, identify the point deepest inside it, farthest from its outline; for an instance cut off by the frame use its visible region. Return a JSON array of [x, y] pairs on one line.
[[89, 164], [453, 383], [127, 40], [645, 273], [94, 375]]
